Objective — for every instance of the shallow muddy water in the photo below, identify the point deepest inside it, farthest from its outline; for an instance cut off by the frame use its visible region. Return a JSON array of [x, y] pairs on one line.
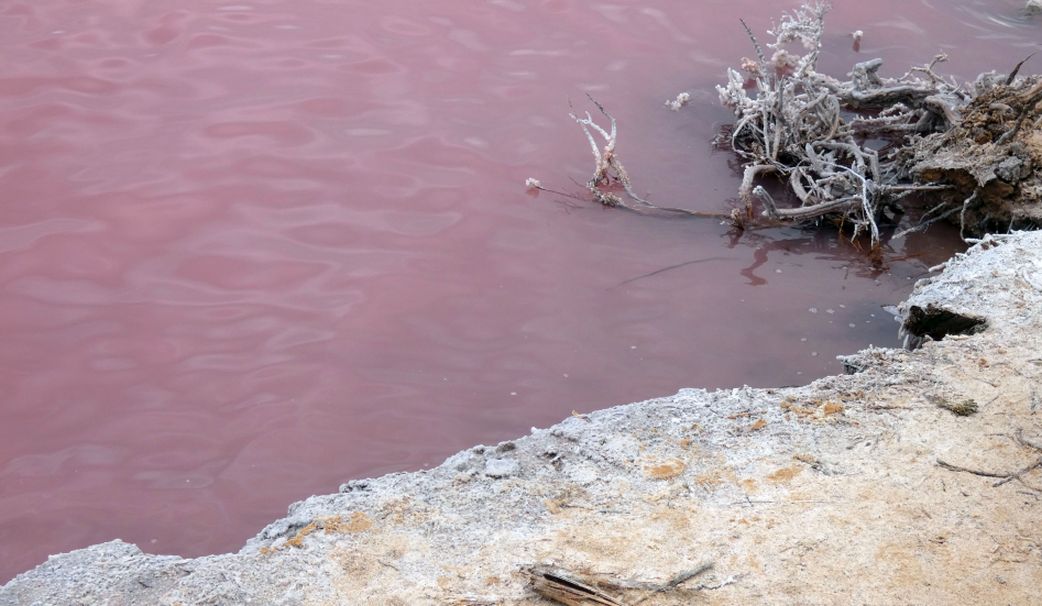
[[252, 249]]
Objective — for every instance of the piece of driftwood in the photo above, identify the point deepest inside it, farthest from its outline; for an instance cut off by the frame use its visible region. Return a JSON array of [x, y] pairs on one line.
[[568, 588]]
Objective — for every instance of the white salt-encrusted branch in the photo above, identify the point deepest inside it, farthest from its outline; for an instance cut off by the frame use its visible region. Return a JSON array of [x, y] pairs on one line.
[[802, 126]]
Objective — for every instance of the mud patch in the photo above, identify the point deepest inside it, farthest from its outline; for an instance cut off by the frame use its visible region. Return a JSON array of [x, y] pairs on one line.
[[936, 323]]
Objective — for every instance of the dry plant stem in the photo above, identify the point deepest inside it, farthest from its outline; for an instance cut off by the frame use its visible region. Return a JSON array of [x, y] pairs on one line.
[[751, 173], [558, 193], [962, 213], [673, 583], [924, 224], [608, 168], [928, 69], [1032, 96], [1003, 478], [976, 472], [804, 213], [1018, 475], [756, 45], [1016, 68], [668, 268]]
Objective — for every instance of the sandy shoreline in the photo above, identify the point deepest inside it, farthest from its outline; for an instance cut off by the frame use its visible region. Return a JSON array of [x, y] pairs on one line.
[[853, 489]]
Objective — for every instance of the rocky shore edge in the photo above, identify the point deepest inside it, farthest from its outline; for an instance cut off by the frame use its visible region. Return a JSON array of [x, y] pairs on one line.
[[914, 479]]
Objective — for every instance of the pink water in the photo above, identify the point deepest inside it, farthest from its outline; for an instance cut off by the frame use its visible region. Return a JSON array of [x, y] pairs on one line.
[[252, 249]]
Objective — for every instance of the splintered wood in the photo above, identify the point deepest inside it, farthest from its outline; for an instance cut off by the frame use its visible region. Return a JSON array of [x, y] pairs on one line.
[[559, 586], [567, 588]]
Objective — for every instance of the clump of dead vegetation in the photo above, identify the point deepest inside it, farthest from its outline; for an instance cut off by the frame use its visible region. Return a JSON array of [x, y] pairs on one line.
[[991, 158], [853, 149]]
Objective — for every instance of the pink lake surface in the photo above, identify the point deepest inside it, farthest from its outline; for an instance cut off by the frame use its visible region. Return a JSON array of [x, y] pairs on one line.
[[250, 250]]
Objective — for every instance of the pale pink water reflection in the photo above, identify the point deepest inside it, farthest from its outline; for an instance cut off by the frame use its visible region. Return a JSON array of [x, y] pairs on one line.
[[251, 249]]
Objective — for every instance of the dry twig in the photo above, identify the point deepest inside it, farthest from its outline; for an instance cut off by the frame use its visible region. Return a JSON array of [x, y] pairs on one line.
[[1004, 477], [608, 169]]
